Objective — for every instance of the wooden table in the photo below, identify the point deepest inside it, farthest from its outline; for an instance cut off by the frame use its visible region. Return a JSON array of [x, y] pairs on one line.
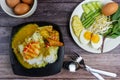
[[59, 12]]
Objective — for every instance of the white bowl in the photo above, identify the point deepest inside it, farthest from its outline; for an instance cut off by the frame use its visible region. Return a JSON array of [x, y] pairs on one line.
[[10, 12]]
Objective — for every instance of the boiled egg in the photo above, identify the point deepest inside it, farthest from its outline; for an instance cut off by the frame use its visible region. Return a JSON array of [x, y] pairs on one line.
[[110, 8], [12, 3], [96, 40], [28, 1], [21, 8], [89, 37], [85, 36]]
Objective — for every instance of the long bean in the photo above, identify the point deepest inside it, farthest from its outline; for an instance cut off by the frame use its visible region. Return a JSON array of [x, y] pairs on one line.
[[88, 22], [83, 16]]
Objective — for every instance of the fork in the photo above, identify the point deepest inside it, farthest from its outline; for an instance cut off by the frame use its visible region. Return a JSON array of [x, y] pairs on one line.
[[77, 58]]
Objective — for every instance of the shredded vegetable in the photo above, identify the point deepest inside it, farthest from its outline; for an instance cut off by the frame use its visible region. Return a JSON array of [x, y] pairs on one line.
[[101, 24]]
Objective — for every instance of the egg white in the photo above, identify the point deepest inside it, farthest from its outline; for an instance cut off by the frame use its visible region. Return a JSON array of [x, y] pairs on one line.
[[97, 45], [82, 38]]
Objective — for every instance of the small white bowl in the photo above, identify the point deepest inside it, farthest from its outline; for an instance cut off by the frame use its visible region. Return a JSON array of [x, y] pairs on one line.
[[10, 12]]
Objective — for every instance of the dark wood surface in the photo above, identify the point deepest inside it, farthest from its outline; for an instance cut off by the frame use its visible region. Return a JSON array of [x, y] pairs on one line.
[[58, 12]]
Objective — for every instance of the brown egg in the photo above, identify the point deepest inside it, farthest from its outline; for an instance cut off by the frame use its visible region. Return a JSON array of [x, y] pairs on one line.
[[110, 8], [28, 1], [21, 8], [12, 3]]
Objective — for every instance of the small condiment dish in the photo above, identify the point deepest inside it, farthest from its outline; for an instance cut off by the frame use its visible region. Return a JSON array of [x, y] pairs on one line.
[[10, 12]]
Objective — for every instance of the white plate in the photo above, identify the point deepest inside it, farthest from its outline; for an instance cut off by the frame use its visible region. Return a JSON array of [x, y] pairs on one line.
[[109, 43]]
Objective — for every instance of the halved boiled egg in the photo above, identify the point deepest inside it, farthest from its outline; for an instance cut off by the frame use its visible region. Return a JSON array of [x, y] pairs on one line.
[[88, 37], [96, 41], [85, 36]]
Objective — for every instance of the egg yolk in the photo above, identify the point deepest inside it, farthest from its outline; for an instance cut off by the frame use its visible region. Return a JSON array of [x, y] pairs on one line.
[[95, 38], [87, 35]]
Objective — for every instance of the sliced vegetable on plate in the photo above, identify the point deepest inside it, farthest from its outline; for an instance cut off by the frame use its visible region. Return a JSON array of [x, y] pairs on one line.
[[77, 25], [99, 20]]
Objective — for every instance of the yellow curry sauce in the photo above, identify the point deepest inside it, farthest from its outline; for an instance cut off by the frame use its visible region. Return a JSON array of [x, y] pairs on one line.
[[19, 38], [49, 34]]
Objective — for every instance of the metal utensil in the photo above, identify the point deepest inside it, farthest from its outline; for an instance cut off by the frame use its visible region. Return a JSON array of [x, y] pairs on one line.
[[77, 58]]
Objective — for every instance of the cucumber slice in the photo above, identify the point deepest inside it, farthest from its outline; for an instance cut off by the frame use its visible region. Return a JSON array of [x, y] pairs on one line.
[[85, 8], [95, 5], [99, 5], [90, 6]]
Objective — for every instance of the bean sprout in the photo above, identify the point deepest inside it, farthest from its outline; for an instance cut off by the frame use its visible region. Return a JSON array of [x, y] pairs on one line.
[[101, 25]]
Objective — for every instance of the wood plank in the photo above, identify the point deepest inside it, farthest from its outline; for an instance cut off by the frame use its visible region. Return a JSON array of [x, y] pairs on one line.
[[104, 64], [59, 1], [59, 12], [65, 1], [56, 79], [56, 12], [5, 33]]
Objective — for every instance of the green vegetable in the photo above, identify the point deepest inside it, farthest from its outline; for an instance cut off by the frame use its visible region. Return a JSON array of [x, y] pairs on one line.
[[96, 14], [114, 32], [87, 25], [83, 16], [94, 3], [85, 8], [88, 21], [99, 5], [92, 14], [116, 16], [91, 10], [90, 6]]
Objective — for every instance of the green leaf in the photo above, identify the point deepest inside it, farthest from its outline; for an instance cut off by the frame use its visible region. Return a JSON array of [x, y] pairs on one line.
[[119, 22], [114, 36], [108, 32], [115, 28], [116, 15]]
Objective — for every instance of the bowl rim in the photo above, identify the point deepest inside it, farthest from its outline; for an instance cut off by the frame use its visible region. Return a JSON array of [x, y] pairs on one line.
[[29, 13]]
